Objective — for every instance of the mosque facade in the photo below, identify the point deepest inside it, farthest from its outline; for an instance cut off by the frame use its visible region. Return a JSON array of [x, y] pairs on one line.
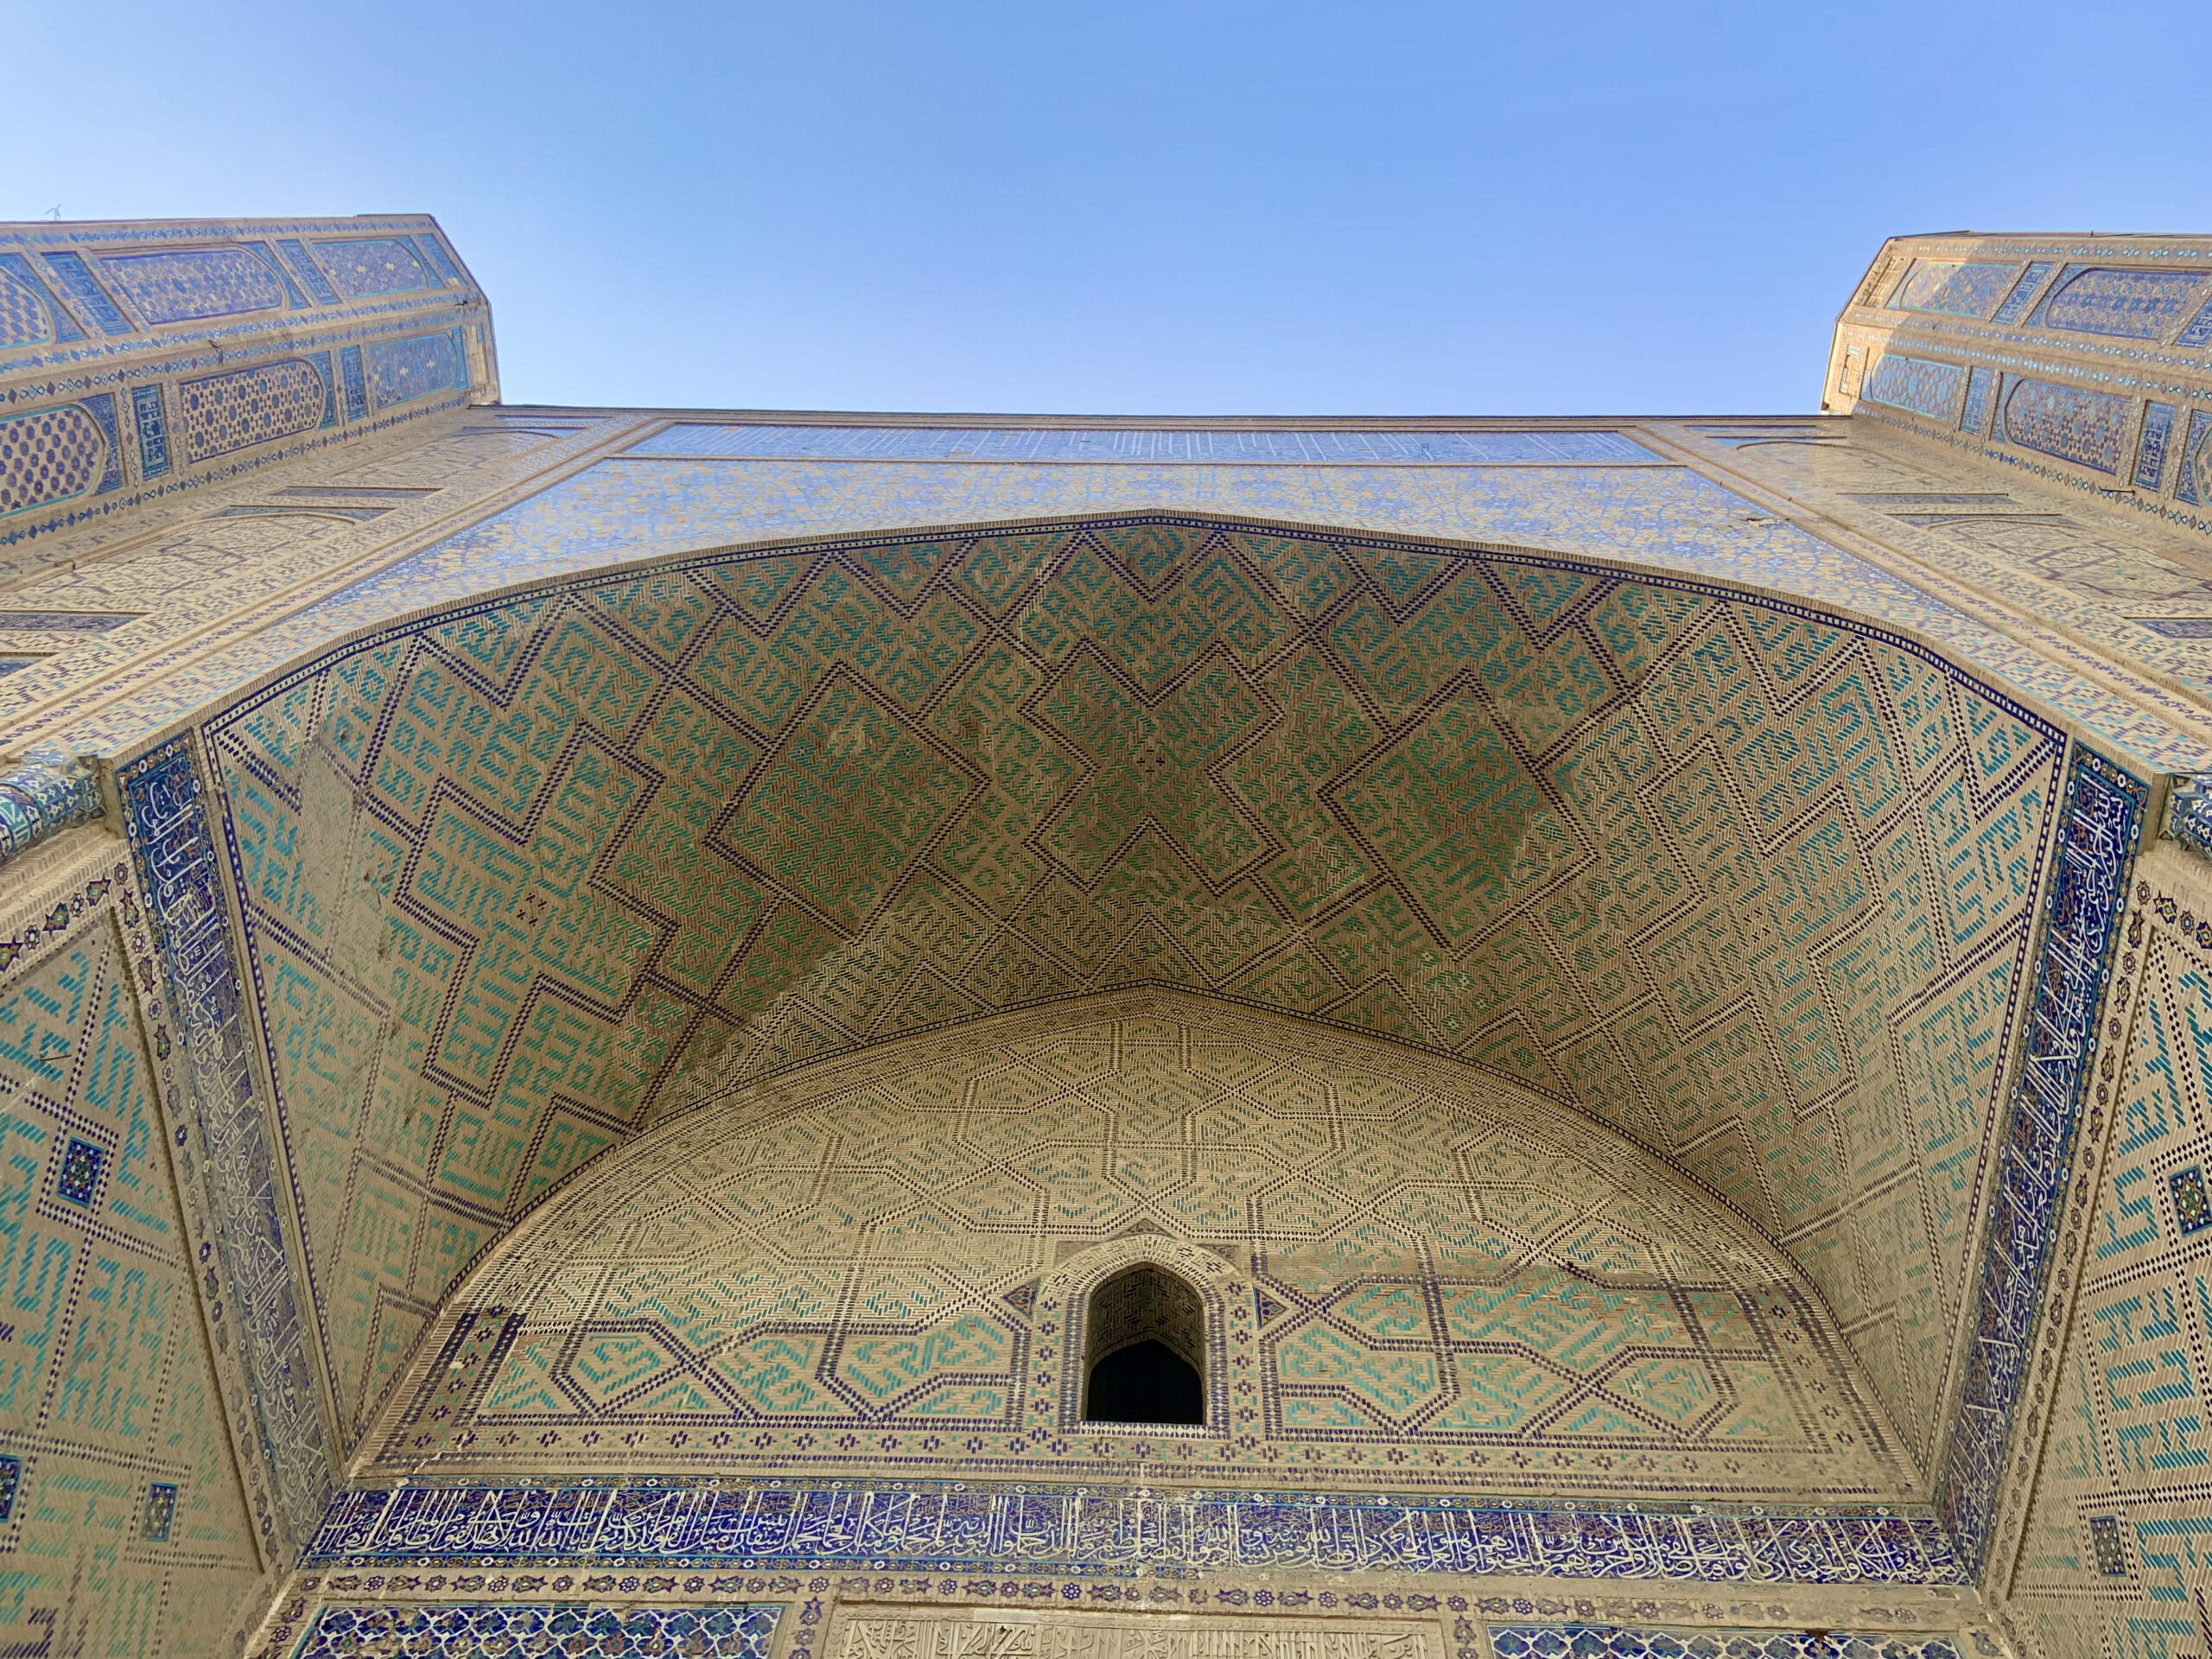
[[620, 1028]]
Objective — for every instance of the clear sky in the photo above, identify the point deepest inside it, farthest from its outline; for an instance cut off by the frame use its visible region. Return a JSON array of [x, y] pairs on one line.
[[1208, 207]]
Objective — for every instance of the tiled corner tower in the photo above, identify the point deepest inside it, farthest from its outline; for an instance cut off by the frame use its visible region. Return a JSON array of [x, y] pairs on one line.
[[591, 995]]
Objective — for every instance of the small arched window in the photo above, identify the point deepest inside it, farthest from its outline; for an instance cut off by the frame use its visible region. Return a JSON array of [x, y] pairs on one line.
[[1145, 1350]]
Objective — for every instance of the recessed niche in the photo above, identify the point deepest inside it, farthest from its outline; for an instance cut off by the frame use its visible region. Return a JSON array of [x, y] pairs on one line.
[[1144, 1351]]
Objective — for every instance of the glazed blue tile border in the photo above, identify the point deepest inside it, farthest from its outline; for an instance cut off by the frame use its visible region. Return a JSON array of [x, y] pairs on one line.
[[1618, 1642], [937, 1527], [729, 1630], [2097, 830], [999, 443], [176, 856]]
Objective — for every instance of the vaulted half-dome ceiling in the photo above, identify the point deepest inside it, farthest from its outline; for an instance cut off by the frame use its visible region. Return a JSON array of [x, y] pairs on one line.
[[1407, 1275], [1749, 884]]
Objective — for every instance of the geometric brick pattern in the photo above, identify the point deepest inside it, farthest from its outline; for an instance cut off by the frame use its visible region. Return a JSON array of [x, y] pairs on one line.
[[1409, 1277], [123, 1514], [2118, 1554], [1750, 886]]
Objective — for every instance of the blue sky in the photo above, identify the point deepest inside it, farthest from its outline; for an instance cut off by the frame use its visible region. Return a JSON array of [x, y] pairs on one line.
[[1381, 207]]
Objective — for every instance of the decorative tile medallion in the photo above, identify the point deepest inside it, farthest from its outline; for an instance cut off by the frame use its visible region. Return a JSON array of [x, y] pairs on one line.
[[78, 1181], [2107, 1547], [159, 1512], [2192, 1212]]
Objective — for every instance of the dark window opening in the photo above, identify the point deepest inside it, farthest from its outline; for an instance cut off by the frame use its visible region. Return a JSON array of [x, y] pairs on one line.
[[1144, 1350], [1146, 1382]]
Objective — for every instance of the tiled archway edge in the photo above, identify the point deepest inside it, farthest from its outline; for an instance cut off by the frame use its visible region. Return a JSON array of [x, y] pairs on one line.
[[956, 1526]]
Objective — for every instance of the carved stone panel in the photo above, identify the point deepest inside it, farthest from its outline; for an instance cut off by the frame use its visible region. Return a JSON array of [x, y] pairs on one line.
[[996, 1633]]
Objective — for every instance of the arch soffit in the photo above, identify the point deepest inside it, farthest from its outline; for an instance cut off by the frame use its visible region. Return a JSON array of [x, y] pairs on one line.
[[1653, 767]]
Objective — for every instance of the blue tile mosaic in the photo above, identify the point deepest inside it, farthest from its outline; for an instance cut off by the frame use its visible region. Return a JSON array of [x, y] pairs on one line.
[[356, 383], [1917, 383], [1025, 443], [169, 305], [321, 362], [76, 278], [42, 319], [51, 455], [2098, 829], [2193, 478], [293, 298], [2087, 428], [1958, 291], [1981, 384], [2123, 304], [152, 427], [739, 1631], [245, 407], [311, 274], [2151, 454], [79, 1179], [441, 260], [2199, 331], [193, 283], [1108, 1532], [38, 800], [369, 267], [176, 856], [1614, 1642], [401, 370], [100, 405], [2024, 293], [12, 1481]]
